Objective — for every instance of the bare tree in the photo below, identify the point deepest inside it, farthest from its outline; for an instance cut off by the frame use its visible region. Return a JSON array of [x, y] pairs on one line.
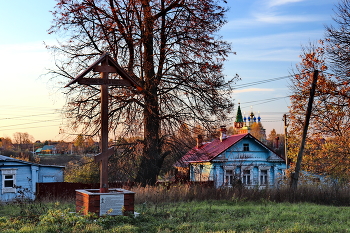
[[169, 47], [338, 38]]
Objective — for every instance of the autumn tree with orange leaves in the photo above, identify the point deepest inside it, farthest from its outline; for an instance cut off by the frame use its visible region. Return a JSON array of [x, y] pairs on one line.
[[170, 47], [327, 139]]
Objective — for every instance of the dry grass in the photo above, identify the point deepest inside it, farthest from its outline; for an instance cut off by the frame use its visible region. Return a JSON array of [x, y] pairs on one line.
[[339, 196]]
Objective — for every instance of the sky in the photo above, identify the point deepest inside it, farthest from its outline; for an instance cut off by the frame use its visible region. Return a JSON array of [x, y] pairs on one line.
[[266, 36]]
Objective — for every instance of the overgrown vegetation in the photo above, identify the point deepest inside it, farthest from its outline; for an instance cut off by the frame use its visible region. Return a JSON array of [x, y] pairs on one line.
[[195, 216], [197, 208], [84, 170], [318, 194]]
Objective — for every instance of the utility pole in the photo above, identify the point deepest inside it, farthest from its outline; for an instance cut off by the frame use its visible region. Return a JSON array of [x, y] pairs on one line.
[[285, 139], [295, 176]]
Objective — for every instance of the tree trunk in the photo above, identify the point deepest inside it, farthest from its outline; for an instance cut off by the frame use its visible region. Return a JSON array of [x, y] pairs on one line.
[[150, 163]]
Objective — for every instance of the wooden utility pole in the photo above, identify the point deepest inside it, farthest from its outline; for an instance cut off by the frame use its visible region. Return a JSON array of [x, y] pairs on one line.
[[285, 140], [108, 65], [295, 176]]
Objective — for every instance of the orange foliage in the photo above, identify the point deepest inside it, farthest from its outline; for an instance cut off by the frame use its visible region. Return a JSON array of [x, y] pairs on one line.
[[329, 117]]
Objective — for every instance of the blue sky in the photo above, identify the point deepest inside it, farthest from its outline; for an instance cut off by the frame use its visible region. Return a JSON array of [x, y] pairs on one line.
[[267, 36]]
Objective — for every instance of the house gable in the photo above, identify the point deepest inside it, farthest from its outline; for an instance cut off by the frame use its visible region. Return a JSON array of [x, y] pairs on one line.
[[248, 149]]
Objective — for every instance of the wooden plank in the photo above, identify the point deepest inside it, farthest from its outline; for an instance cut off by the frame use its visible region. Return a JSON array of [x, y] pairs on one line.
[[83, 73], [100, 81], [112, 63], [108, 69], [104, 155]]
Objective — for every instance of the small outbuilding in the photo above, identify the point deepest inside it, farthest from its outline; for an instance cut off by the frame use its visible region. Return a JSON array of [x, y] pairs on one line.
[[18, 178]]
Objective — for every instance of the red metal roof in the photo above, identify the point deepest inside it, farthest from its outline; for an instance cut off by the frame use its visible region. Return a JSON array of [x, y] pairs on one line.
[[209, 151]]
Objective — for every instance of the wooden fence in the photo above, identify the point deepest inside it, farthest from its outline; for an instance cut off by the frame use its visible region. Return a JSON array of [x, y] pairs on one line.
[[66, 190]]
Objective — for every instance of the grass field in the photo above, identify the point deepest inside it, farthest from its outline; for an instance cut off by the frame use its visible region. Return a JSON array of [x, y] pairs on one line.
[[194, 216]]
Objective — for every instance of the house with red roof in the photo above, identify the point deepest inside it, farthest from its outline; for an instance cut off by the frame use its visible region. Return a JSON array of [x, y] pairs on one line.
[[230, 160]]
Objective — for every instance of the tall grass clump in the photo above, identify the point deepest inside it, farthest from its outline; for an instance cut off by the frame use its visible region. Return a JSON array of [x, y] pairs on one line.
[[318, 194]]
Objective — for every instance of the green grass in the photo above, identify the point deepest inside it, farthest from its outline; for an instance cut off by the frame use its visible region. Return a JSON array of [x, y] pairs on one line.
[[195, 216]]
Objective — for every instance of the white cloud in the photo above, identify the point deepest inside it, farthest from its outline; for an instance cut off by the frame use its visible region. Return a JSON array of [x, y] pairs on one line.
[[259, 19], [275, 47], [282, 40], [273, 3], [284, 19], [265, 13]]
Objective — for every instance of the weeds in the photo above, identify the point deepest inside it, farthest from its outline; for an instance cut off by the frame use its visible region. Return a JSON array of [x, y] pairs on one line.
[[185, 208], [339, 196], [194, 216]]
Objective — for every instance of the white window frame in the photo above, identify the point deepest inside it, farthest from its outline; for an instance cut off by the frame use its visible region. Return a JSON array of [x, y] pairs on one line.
[[8, 172], [267, 176], [251, 175], [227, 181], [229, 178]]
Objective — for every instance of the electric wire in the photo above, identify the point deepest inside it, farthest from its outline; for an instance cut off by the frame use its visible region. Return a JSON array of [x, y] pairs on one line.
[[30, 127], [244, 85], [20, 117], [266, 100], [13, 127], [35, 122]]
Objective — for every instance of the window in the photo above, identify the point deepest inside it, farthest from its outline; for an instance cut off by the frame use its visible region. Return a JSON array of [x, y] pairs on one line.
[[245, 147], [246, 177], [263, 177], [229, 177], [8, 180]]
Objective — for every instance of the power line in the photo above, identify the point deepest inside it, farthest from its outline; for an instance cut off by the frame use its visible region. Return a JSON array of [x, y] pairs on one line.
[[31, 127], [261, 82], [28, 107], [35, 122], [266, 100], [19, 117]]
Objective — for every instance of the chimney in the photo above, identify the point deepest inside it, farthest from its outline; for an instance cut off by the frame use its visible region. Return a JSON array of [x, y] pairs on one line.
[[223, 133], [276, 142], [199, 141]]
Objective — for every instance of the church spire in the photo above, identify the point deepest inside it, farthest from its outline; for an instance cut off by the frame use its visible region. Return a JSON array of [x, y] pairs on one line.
[[239, 117]]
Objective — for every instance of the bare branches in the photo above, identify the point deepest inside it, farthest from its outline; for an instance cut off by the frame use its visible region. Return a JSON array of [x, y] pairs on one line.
[[172, 49]]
